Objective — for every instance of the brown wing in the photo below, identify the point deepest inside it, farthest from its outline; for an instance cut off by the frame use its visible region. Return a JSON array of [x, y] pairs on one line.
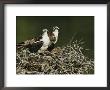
[[28, 42], [34, 47], [51, 47], [38, 38]]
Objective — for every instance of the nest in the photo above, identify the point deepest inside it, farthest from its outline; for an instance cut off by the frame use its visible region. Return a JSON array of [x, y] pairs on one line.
[[68, 59]]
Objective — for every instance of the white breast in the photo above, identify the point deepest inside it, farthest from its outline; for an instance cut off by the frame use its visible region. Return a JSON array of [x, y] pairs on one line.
[[46, 42]]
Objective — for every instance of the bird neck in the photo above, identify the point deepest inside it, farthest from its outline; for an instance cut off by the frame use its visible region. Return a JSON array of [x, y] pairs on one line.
[[45, 33], [56, 33]]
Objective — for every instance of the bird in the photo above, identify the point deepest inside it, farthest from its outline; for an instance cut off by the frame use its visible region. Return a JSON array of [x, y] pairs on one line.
[[36, 44], [53, 38], [46, 41]]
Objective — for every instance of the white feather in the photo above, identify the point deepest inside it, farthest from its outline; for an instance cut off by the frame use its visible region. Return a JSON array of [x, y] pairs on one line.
[[46, 41]]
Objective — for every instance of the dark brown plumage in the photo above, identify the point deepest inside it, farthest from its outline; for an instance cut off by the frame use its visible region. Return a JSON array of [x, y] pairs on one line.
[[33, 44]]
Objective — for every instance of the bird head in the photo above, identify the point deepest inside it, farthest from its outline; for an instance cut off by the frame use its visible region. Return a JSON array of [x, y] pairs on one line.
[[56, 28], [45, 30]]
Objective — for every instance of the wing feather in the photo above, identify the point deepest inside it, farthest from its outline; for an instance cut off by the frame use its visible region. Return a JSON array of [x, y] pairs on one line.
[[51, 47], [34, 47]]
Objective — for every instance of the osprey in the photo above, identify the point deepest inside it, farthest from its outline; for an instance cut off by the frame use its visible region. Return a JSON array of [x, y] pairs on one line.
[[46, 41], [36, 44], [53, 38]]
